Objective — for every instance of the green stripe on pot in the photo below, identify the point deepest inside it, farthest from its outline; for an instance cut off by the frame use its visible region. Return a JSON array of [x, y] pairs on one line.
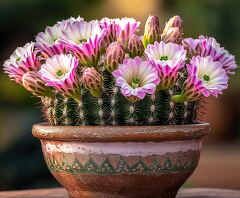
[[106, 168]]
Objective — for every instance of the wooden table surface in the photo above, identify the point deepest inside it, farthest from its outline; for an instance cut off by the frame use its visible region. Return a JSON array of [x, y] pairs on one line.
[[183, 193]]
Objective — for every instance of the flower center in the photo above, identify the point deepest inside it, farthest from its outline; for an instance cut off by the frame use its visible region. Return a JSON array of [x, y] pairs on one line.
[[18, 59], [135, 82], [59, 73], [206, 78], [82, 40], [164, 58]]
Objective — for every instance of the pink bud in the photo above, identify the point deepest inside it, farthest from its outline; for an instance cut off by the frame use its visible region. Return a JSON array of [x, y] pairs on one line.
[[152, 31], [114, 56], [92, 81], [173, 35], [34, 84], [135, 46], [173, 30], [175, 21]]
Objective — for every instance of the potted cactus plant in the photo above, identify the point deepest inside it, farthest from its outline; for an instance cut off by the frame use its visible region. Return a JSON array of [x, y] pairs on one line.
[[121, 109]]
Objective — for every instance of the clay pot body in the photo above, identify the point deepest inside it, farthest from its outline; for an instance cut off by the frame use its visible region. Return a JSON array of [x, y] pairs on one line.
[[121, 161]]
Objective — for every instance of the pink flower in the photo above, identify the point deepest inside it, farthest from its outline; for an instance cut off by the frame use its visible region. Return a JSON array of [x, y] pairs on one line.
[[84, 40], [59, 72], [168, 58], [109, 26], [48, 50], [51, 35], [192, 46], [23, 59], [205, 77], [119, 29], [205, 46], [125, 28], [136, 78], [64, 23], [48, 42]]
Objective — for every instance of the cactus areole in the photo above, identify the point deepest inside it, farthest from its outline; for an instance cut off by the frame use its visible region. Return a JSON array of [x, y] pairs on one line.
[[118, 104]]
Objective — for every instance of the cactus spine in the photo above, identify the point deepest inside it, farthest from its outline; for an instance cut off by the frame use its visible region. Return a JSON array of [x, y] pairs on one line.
[[81, 111], [113, 105], [65, 111], [152, 117]]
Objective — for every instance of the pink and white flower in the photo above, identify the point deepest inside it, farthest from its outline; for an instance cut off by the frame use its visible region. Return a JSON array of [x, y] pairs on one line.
[[59, 72], [121, 29], [49, 50], [84, 40], [125, 28], [108, 25], [64, 23], [168, 58], [136, 78], [51, 35], [23, 59], [205, 46], [192, 46], [48, 42], [205, 77]]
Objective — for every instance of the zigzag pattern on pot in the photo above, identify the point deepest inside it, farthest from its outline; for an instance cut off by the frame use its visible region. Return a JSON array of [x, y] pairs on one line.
[[106, 168]]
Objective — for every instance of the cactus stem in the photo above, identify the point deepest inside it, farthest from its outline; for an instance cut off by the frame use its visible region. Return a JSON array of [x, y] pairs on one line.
[[100, 112], [66, 120], [47, 109], [153, 107], [185, 113], [54, 112], [172, 106], [113, 105], [81, 112], [132, 116]]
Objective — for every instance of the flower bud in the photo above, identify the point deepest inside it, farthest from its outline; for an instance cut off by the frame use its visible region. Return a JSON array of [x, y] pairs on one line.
[[114, 56], [175, 21], [34, 84], [106, 41], [174, 35], [173, 30], [92, 81], [152, 31], [135, 46]]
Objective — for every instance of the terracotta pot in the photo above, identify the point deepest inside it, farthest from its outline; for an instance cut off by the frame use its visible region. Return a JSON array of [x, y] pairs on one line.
[[121, 161]]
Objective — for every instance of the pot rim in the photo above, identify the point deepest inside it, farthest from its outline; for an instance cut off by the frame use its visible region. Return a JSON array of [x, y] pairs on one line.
[[121, 133]]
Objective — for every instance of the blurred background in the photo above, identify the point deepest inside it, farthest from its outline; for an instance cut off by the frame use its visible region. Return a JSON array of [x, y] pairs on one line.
[[21, 162]]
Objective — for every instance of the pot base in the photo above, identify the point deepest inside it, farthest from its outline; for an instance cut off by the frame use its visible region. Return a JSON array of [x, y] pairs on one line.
[[123, 185], [91, 194]]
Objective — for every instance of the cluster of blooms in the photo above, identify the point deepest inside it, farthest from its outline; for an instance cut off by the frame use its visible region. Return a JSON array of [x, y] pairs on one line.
[[73, 53]]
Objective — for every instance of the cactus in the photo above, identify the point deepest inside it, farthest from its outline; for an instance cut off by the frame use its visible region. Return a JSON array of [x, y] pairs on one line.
[[114, 109], [104, 73]]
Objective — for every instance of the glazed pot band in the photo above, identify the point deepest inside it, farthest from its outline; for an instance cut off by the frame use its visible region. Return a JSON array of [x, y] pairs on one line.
[[121, 133]]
